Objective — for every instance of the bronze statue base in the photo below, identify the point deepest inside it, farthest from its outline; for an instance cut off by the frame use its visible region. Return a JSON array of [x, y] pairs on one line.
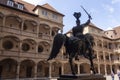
[[82, 77]]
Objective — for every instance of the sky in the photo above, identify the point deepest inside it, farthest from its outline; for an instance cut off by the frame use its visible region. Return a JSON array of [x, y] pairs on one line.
[[105, 13]]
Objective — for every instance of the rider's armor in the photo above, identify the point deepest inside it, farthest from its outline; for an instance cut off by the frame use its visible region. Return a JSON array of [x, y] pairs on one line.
[[78, 32]]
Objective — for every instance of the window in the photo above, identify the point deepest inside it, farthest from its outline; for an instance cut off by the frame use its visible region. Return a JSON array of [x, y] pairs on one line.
[[25, 27], [110, 45], [111, 56], [40, 49], [101, 57], [25, 47], [99, 31], [39, 68], [8, 67], [54, 16], [107, 57], [44, 12], [7, 45], [53, 33], [20, 6], [99, 44], [10, 3]]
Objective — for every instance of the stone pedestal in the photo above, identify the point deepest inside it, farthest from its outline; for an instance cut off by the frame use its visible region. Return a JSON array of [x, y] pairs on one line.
[[82, 77]]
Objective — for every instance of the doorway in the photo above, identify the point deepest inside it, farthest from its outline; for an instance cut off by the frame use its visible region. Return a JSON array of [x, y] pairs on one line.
[[46, 71], [1, 68], [29, 71]]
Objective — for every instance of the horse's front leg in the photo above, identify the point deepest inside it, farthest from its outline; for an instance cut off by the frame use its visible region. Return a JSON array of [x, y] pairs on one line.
[[92, 65]]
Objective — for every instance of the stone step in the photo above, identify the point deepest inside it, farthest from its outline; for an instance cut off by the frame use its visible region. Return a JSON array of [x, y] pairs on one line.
[[82, 77]]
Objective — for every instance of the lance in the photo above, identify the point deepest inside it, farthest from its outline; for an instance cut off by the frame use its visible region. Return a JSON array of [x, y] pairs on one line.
[[86, 12]]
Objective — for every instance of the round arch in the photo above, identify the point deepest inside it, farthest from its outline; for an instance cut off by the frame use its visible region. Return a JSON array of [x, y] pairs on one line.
[[29, 45], [13, 37], [108, 69], [1, 15], [44, 30], [13, 21], [14, 16], [30, 25], [45, 26], [55, 30], [31, 41], [102, 69], [67, 69], [96, 67], [99, 43], [115, 68], [43, 46], [56, 69], [10, 42], [27, 68], [43, 69], [8, 68]]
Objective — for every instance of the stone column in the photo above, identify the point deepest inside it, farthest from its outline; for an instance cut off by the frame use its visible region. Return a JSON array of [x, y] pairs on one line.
[[35, 71], [104, 56], [104, 63], [21, 41], [78, 65], [98, 62], [98, 57], [111, 67], [98, 68], [22, 25], [4, 18], [110, 62], [18, 71], [62, 69], [110, 57], [20, 47], [50, 31], [36, 51], [38, 30], [50, 69], [102, 43], [119, 57], [105, 70]]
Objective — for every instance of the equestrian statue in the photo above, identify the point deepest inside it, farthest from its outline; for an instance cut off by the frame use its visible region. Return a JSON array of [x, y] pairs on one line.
[[78, 44]]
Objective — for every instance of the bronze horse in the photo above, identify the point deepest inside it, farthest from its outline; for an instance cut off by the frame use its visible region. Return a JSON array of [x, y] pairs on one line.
[[74, 46]]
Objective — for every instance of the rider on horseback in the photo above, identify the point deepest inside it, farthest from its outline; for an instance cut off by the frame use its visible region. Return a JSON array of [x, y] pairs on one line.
[[78, 44], [78, 31]]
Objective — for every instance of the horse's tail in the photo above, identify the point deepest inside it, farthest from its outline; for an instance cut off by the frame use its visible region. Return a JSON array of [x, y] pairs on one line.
[[58, 41]]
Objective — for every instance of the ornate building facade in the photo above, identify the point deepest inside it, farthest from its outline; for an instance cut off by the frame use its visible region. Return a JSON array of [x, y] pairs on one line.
[[26, 34], [107, 50]]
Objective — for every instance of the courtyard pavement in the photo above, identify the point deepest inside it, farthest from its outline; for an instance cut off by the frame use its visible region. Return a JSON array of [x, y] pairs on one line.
[[110, 78]]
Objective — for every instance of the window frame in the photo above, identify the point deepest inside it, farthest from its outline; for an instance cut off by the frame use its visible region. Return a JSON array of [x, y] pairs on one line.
[[20, 6], [10, 3], [44, 12]]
